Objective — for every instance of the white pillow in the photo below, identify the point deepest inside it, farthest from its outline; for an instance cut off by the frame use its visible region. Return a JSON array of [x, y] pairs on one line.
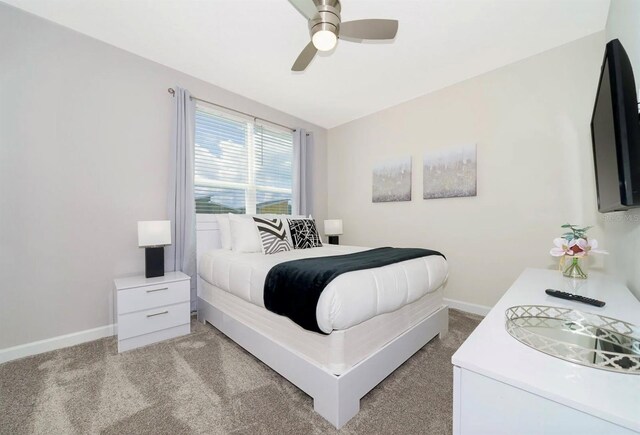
[[244, 234], [225, 230]]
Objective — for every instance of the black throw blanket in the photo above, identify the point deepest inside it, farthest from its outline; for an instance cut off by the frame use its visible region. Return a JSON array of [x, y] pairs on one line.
[[293, 288]]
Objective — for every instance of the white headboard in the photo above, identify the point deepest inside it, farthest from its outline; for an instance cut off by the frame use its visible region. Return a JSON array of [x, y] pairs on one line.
[[207, 234]]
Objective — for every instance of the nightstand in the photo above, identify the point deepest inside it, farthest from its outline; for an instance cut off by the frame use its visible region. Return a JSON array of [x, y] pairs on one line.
[[152, 309]]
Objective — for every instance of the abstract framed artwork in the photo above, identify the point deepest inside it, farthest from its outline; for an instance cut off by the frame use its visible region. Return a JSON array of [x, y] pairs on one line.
[[450, 172], [392, 180]]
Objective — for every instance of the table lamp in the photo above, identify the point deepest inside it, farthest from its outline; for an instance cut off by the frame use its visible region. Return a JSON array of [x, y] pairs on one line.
[[154, 236], [333, 228]]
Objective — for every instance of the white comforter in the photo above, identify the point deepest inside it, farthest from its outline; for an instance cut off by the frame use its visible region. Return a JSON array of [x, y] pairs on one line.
[[348, 300]]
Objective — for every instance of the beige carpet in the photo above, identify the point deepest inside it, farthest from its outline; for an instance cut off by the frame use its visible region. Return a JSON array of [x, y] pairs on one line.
[[204, 383]]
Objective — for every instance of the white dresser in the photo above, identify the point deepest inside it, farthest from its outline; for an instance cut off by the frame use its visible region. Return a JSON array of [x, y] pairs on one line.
[[501, 386], [152, 309]]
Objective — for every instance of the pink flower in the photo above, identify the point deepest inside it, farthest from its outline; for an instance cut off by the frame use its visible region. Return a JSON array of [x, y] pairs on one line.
[[562, 247], [588, 246]]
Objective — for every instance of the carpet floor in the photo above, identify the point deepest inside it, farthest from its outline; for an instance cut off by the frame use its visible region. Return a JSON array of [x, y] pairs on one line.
[[204, 383]]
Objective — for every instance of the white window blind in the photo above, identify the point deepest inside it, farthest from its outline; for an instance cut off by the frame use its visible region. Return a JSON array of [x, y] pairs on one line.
[[241, 166]]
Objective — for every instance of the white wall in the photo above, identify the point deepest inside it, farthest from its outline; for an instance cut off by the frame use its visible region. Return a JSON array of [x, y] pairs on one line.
[[622, 229], [530, 121], [84, 141]]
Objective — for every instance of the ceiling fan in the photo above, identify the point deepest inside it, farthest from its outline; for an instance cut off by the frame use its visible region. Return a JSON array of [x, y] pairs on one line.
[[325, 29]]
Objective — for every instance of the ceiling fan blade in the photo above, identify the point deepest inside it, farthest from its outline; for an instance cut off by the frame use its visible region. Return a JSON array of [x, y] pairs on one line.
[[305, 7], [369, 29], [305, 58]]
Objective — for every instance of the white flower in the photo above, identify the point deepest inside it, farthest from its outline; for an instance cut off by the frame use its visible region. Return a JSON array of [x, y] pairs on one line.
[[587, 247], [562, 247]]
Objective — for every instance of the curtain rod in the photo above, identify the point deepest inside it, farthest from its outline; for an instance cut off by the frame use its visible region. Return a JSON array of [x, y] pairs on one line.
[[173, 93]]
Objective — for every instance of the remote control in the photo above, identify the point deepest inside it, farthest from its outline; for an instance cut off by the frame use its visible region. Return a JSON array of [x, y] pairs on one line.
[[572, 297]]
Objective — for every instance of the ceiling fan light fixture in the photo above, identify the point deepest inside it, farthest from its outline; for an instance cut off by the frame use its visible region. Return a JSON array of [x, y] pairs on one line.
[[326, 27], [324, 40]]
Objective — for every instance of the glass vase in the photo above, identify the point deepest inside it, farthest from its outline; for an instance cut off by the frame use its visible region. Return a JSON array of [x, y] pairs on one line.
[[575, 267]]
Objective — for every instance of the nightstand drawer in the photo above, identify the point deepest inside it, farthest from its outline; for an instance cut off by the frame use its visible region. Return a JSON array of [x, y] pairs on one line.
[[157, 295], [154, 319]]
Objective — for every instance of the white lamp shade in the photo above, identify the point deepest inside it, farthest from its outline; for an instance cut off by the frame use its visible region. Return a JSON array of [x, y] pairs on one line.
[[154, 233], [333, 227]]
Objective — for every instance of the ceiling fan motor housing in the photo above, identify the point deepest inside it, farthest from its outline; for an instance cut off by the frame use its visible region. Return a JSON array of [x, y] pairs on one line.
[[327, 18]]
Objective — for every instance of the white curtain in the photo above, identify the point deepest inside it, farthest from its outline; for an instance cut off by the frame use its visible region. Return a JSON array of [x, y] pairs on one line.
[[302, 151], [181, 254]]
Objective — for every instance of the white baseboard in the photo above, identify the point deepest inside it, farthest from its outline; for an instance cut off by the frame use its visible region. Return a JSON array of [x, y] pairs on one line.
[[62, 341], [467, 307], [54, 343]]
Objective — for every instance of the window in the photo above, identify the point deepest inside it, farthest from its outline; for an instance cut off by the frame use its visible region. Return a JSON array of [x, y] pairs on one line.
[[241, 166]]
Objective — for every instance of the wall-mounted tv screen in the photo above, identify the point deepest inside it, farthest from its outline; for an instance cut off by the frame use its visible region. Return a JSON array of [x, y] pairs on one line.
[[615, 132]]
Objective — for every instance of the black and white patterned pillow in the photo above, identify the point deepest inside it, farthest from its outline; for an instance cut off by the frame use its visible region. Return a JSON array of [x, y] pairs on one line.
[[304, 233], [273, 235]]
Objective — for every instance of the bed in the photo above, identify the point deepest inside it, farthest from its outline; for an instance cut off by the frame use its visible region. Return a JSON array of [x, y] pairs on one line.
[[361, 342]]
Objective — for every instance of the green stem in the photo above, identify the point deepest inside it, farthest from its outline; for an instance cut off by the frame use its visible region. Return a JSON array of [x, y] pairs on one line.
[[574, 270]]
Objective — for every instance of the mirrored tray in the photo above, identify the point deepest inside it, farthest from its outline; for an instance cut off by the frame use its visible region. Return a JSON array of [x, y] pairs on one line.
[[583, 338]]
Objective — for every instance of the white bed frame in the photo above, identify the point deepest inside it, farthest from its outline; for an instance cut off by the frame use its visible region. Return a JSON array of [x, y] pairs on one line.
[[336, 398]]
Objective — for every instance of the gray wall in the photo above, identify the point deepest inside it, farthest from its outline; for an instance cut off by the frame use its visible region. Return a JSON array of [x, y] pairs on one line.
[[84, 141], [622, 229], [530, 121]]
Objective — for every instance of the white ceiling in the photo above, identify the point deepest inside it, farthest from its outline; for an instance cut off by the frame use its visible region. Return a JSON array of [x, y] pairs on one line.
[[248, 46]]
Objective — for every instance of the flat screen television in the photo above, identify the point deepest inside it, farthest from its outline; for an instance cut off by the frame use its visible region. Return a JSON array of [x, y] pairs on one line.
[[615, 132]]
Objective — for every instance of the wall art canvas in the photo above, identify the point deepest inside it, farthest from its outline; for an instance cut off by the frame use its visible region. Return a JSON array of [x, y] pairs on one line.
[[392, 180], [450, 173]]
